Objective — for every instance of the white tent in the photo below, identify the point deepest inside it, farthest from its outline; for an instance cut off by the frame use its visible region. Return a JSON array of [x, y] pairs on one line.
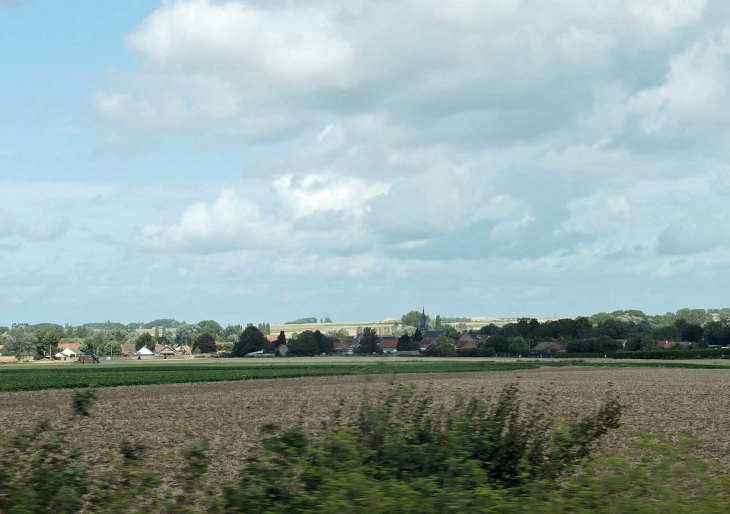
[[144, 351]]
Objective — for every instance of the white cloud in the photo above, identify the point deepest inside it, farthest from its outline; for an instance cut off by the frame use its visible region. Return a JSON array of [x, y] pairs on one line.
[[284, 45]]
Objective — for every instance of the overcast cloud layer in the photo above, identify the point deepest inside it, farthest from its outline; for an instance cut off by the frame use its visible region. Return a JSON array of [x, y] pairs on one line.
[[266, 160]]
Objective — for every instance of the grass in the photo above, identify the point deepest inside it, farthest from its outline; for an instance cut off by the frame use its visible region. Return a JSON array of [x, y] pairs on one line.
[[36, 378]]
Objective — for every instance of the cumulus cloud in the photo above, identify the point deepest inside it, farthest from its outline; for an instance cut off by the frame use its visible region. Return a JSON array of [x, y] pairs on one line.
[[370, 142]]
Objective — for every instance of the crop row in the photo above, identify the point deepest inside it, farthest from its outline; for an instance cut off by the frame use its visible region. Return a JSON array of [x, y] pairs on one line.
[[18, 379]]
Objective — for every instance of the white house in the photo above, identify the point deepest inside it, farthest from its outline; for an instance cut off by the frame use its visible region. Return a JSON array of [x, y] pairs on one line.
[[144, 353]]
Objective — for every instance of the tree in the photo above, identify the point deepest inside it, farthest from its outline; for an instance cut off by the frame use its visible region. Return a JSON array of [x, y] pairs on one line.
[[489, 330], [413, 319], [583, 327], [251, 340], [717, 334], [691, 332], [369, 343], [499, 342], [451, 332], [694, 316], [613, 328], [185, 334], [281, 339], [437, 324], [648, 342], [667, 333], [443, 346], [305, 345], [406, 344], [206, 343], [324, 343], [417, 336], [518, 346], [19, 341], [47, 342], [145, 339], [211, 327]]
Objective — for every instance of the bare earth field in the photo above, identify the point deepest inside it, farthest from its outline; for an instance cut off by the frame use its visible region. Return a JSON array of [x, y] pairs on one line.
[[675, 402]]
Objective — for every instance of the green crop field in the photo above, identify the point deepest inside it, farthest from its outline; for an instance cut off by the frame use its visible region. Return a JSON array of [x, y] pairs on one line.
[[33, 378], [46, 377]]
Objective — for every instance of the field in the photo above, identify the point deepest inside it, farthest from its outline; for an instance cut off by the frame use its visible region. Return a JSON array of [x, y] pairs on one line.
[[27, 377], [676, 402]]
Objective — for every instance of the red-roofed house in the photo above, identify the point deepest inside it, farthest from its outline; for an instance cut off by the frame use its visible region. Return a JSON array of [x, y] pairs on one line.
[[389, 344], [63, 346]]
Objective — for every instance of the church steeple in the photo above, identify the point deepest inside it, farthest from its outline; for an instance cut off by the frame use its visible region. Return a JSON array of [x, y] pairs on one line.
[[424, 321]]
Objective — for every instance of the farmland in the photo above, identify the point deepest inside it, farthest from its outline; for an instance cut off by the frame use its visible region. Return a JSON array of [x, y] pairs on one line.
[[676, 402], [67, 376], [668, 404]]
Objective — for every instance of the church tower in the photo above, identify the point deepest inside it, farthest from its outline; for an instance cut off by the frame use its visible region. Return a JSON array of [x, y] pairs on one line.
[[424, 322]]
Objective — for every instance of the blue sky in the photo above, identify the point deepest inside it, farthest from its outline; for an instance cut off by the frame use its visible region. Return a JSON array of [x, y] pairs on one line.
[[267, 160]]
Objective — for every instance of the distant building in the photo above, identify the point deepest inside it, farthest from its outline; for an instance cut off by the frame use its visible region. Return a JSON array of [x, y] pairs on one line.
[[389, 344], [547, 348], [466, 341]]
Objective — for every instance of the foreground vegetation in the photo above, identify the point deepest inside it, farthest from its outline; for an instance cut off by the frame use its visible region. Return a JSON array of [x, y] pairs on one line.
[[399, 452]]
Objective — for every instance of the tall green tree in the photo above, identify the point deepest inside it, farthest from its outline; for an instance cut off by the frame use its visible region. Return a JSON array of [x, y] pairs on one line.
[[145, 339], [519, 346], [324, 344], [211, 327], [47, 342], [369, 343], [413, 319], [406, 344], [437, 324], [648, 342], [417, 336], [19, 341], [251, 340], [281, 339], [305, 345]]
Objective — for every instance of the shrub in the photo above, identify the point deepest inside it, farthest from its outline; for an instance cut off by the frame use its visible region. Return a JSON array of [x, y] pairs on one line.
[[400, 451], [83, 401]]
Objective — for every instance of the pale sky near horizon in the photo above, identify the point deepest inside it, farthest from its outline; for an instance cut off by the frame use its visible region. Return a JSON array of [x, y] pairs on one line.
[[266, 160]]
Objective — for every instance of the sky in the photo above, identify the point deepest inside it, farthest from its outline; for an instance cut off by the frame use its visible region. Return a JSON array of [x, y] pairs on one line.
[[266, 160]]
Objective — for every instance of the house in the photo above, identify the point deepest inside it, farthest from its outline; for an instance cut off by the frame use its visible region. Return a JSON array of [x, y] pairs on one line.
[[128, 349], [70, 352], [166, 351], [144, 353], [667, 345], [185, 350], [466, 341], [547, 348], [272, 338], [63, 346], [389, 344]]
